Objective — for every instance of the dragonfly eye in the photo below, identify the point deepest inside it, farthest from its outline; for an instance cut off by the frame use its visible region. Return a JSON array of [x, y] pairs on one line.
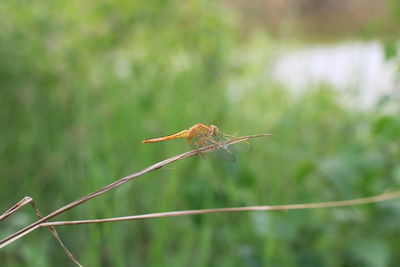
[[214, 130]]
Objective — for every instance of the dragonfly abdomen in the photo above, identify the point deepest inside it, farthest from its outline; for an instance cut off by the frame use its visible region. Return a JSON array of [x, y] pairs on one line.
[[181, 134]]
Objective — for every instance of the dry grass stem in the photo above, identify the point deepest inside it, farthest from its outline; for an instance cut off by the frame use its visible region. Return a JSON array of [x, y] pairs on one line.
[[16, 207], [53, 231], [24, 231], [333, 204]]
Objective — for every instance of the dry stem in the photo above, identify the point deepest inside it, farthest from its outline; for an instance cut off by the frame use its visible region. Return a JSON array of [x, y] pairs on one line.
[[332, 204], [24, 231]]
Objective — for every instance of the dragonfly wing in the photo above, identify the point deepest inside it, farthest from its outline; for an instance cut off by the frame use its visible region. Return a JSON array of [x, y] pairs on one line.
[[241, 147], [223, 152]]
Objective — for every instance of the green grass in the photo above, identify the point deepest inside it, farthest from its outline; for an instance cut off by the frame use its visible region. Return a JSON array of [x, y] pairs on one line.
[[83, 83]]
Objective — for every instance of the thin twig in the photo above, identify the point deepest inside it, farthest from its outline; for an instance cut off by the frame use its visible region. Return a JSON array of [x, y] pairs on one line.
[[119, 182], [53, 231], [55, 234], [16, 207], [332, 204]]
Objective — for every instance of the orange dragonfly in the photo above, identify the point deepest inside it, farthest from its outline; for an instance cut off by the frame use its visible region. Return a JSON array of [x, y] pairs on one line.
[[200, 135]]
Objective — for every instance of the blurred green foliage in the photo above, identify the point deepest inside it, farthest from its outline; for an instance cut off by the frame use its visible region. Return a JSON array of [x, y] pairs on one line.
[[83, 82]]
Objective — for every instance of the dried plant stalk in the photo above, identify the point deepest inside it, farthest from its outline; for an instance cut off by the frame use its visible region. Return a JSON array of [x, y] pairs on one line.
[[24, 231], [332, 204], [53, 231]]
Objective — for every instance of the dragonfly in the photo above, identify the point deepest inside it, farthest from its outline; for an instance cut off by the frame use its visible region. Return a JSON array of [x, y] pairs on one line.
[[201, 135]]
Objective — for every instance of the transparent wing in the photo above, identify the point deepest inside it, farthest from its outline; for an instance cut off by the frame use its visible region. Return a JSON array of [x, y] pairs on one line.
[[226, 152]]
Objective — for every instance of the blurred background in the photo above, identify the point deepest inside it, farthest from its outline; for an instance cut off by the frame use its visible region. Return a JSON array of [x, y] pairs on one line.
[[83, 82]]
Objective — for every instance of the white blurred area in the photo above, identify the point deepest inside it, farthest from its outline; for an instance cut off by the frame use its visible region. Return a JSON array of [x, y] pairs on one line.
[[356, 69]]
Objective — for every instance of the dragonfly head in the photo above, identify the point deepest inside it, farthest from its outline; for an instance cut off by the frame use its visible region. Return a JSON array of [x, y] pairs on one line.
[[214, 130]]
